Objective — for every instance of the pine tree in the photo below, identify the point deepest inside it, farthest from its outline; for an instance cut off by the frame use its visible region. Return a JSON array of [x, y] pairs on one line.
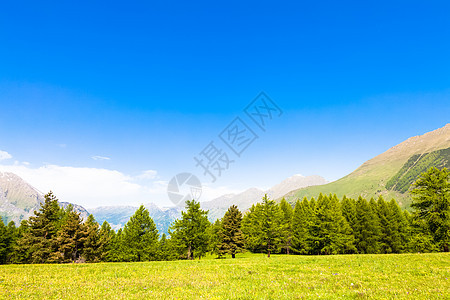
[[91, 249], [300, 226], [190, 233], [70, 238], [341, 238], [20, 248], [330, 232], [431, 202], [105, 236], [141, 236], [214, 233], [3, 243], [366, 228], [400, 231], [286, 229], [37, 243], [251, 228], [118, 248], [166, 250], [231, 233], [388, 226], [348, 207]]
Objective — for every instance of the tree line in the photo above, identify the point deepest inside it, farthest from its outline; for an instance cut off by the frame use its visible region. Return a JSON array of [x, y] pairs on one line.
[[323, 226]]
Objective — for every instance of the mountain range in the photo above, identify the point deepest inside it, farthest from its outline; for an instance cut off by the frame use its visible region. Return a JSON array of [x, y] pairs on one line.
[[389, 174]]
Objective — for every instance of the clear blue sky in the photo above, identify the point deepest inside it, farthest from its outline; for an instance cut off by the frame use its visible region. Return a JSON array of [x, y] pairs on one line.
[[149, 85]]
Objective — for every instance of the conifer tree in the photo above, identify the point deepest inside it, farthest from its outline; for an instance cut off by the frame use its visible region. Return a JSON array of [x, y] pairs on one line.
[[329, 231], [190, 233], [91, 248], [37, 243], [141, 236], [387, 226], [262, 226], [232, 240], [214, 233], [106, 236], [70, 238], [3, 243], [286, 225], [348, 207], [431, 202], [251, 228], [300, 226], [366, 228], [118, 248], [166, 250], [400, 231]]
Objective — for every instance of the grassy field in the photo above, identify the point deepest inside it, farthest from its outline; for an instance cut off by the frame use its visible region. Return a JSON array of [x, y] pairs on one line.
[[411, 276]]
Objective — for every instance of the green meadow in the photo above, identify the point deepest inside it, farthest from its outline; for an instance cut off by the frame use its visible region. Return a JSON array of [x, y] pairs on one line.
[[248, 276]]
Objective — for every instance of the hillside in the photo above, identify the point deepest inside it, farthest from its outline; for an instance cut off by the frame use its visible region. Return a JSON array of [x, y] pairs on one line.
[[390, 173]]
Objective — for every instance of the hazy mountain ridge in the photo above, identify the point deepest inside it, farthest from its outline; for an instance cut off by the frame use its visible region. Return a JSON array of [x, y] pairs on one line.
[[118, 216], [217, 207]]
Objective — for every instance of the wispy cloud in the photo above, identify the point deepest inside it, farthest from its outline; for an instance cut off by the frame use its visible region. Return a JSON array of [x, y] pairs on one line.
[[4, 155], [148, 174], [97, 157], [91, 187]]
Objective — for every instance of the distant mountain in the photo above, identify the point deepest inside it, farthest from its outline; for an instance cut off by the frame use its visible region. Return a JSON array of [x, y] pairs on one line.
[[246, 199], [19, 200], [118, 216], [391, 173]]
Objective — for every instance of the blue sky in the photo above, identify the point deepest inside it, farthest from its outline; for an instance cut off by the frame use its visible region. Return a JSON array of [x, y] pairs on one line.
[[149, 85]]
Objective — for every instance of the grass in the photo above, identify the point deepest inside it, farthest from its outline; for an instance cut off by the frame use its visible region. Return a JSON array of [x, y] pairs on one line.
[[411, 276]]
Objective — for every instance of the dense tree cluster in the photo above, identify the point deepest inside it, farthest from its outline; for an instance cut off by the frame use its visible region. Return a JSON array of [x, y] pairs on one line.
[[324, 226]]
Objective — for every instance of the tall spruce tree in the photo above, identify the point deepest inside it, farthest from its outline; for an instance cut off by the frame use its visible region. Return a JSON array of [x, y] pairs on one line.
[[387, 226], [231, 233], [190, 232], [118, 248], [431, 203], [366, 228], [70, 238], [91, 249], [3, 242], [348, 207], [106, 236], [37, 243], [141, 236], [286, 225], [329, 231], [262, 226], [214, 233], [300, 226], [166, 250], [251, 228], [400, 230]]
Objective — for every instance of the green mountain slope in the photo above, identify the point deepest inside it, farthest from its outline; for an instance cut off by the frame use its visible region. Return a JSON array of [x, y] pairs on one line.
[[391, 173]]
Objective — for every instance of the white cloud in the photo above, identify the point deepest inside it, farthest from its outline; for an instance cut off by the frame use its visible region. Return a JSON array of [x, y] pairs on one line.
[[97, 157], [4, 155], [148, 174], [209, 192], [93, 187]]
